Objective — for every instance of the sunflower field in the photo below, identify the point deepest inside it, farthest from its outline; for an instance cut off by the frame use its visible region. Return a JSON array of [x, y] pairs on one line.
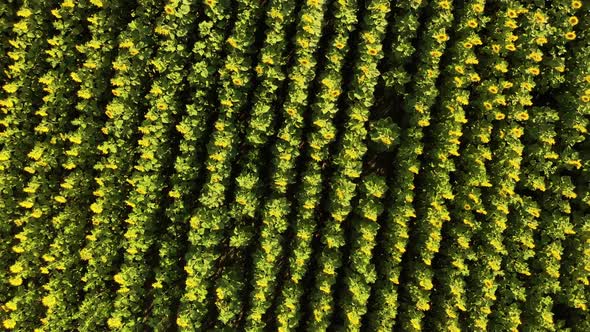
[[295, 165]]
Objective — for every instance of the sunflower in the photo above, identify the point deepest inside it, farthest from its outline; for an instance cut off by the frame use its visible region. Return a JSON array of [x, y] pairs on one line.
[[511, 13], [576, 4], [441, 37], [523, 116], [541, 41]]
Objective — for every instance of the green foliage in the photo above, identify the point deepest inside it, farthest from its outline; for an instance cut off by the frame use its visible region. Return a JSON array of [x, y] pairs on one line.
[[318, 165]]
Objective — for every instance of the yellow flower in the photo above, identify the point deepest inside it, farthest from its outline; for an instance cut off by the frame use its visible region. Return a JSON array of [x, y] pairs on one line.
[[16, 281], [576, 4], [436, 54], [496, 48], [540, 18], [97, 3], [472, 24], [232, 42], [26, 204], [6, 103], [527, 86], [570, 35], [512, 37], [119, 279], [476, 40], [517, 132], [487, 105], [96, 208], [89, 64], [511, 24], [10, 88], [423, 123], [523, 116], [536, 56], [369, 37], [534, 71], [541, 40], [126, 44], [478, 8], [84, 94], [114, 322], [444, 4], [467, 45], [259, 70], [161, 31], [9, 324], [511, 47], [382, 8], [60, 199], [116, 92], [68, 4], [69, 165], [419, 108], [512, 13], [572, 20], [21, 27], [500, 116], [16, 268], [25, 12], [441, 37], [303, 42], [585, 99], [169, 10], [49, 301], [575, 163], [182, 322], [76, 77], [36, 214], [372, 51], [11, 306], [313, 3], [493, 89]]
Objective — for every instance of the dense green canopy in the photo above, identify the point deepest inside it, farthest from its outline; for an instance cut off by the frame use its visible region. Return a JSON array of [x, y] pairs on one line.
[[294, 165]]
